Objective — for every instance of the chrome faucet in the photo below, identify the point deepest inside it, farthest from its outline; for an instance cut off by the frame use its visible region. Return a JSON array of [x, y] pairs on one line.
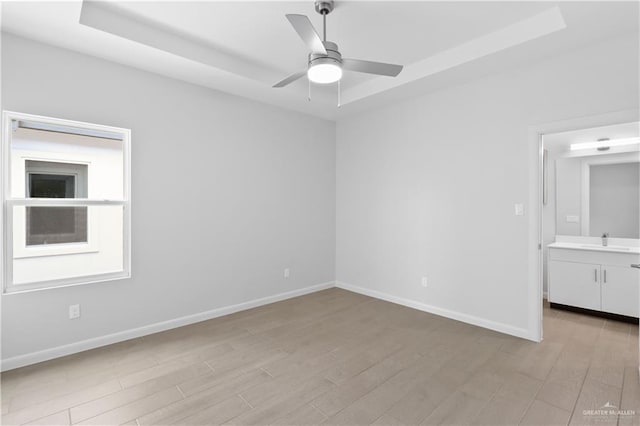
[[605, 239]]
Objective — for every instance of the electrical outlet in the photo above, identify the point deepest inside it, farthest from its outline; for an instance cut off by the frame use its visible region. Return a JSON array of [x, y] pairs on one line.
[[287, 272], [519, 209], [425, 282], [573, 219], [74, 311]]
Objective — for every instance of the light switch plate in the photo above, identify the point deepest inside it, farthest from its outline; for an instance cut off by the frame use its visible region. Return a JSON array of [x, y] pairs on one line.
[[519, 209], [424, 282], [74, 311]]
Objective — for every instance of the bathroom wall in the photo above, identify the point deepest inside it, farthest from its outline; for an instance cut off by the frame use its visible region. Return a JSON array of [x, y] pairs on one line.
[[568, 183]]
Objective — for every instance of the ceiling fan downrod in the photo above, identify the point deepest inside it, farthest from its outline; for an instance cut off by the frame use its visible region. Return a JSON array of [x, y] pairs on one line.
[[324, 7], [324, 27]]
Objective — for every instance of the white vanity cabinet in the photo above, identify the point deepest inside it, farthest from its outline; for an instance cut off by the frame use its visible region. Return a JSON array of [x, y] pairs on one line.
[[619, 290], [596, 280], [575, 284]]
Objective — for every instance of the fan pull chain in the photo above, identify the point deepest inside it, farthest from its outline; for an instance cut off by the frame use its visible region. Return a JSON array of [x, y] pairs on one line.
[[309, 95], [339, 101]]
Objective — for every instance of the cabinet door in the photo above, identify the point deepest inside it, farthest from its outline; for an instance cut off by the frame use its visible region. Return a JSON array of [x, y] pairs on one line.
[[575, 284], [620, 290]]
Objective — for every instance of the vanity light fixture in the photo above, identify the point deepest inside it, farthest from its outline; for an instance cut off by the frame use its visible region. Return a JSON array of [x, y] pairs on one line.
[[601, 143]]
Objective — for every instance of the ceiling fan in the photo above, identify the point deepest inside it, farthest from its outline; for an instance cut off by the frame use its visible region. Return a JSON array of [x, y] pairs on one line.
[[325, 63]]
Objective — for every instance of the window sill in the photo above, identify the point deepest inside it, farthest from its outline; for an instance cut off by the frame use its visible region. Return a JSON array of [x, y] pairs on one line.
[[65, 283], [46, 250]]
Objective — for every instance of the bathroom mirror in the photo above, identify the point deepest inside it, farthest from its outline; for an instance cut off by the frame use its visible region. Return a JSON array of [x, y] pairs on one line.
[[598, 194]]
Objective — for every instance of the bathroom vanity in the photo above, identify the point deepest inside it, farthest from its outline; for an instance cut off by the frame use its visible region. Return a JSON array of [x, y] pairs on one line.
[[585, 274]]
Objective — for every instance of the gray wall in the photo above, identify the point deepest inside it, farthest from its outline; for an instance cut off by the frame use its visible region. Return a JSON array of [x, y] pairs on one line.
[[226, 193], [427, 186], [568, 195], [613, 201]]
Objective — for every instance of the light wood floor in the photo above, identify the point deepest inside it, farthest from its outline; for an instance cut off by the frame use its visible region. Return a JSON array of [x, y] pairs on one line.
[[337, 357]]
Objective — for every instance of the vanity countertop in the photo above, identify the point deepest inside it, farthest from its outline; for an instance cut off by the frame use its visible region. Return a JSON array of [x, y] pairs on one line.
[[595, 247]]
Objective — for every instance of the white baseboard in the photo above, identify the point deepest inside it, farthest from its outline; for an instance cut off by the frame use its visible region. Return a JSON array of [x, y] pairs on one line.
[[96, 342], [469, 319]]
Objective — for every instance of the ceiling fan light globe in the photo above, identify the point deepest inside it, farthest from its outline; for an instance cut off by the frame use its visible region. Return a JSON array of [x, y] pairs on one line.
[[324, 73]]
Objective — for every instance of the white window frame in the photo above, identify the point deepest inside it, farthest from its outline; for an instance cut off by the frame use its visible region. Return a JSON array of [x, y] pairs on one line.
[[22, 250], [6, 212]]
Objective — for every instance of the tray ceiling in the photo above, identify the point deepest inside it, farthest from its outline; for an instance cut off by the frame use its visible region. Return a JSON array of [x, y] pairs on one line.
[[244, 47]]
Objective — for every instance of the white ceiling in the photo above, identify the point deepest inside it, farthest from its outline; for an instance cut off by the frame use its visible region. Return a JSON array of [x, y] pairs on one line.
[[244, 47]]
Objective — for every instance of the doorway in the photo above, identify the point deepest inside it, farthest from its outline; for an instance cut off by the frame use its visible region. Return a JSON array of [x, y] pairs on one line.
[[572, 210]]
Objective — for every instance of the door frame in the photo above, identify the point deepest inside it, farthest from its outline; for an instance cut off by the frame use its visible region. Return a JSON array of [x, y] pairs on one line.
[[536, 146]]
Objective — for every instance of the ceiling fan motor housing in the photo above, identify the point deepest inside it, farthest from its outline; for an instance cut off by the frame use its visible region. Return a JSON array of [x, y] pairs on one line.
[[324, 7], [333, 56]]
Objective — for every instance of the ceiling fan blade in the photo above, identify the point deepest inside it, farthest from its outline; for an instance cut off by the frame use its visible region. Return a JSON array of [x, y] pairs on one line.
[[307, 33], [290, 79], [369, 67]]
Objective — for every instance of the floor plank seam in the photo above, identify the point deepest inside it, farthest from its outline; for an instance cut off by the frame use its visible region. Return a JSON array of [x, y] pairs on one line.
[[584, 379], [555, 361], [246, 402], [329, 379], [181, 393], [379, 384], [319, 410], [266, 371], [620, 407], [533, 400]]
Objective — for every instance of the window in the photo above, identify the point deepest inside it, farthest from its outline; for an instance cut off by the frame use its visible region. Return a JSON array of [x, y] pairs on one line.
[[56, 225], [66, 216]]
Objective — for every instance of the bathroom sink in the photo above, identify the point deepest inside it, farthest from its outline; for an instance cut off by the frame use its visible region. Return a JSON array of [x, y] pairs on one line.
[[599, 247], [635, 250]]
